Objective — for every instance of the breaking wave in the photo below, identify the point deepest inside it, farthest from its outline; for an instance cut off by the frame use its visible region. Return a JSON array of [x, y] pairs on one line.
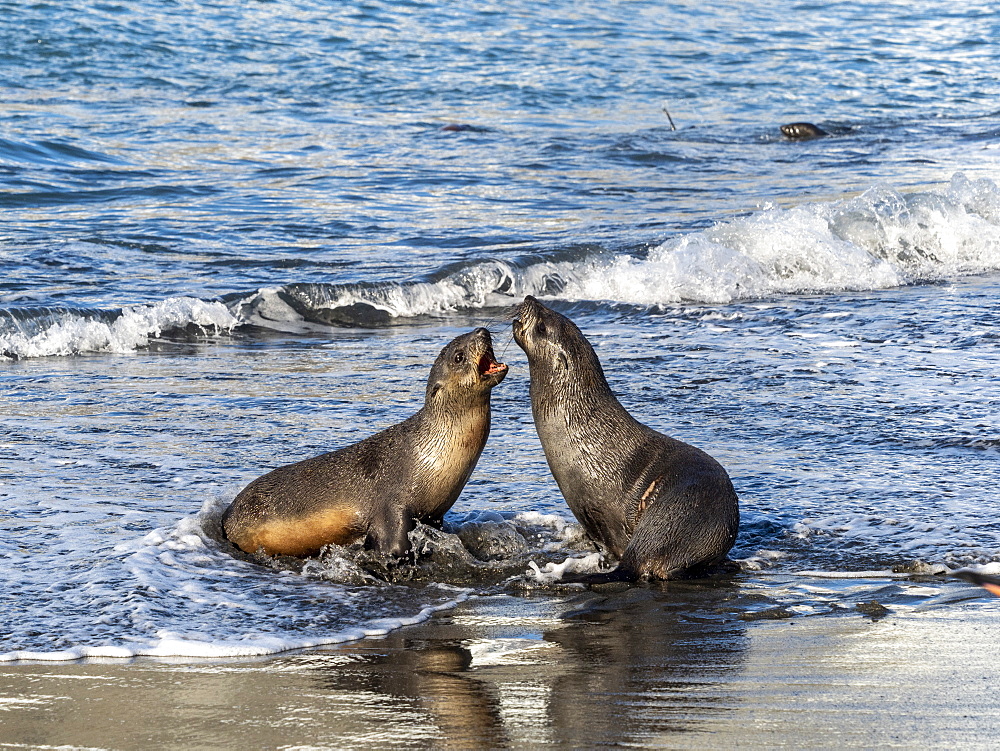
[[41, 331], [879, 239]]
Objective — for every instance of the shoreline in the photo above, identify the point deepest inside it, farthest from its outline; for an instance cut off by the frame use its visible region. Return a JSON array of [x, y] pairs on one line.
[[638, 667]]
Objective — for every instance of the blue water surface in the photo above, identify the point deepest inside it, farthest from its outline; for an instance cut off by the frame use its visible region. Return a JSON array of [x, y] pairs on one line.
[[236, 235]]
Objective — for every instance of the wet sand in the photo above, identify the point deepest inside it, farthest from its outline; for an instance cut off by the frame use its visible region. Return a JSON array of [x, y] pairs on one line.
[[640, 667]]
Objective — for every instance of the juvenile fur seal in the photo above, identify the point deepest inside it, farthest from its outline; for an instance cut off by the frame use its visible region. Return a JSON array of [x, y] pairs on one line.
[[662, 507], [376, 489]]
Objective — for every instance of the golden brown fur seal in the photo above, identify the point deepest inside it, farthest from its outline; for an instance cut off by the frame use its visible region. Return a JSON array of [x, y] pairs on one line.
[[377, 488]]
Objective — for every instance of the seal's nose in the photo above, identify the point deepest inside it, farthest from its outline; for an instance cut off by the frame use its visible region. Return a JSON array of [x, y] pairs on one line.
[[483, 332], [529, 305]]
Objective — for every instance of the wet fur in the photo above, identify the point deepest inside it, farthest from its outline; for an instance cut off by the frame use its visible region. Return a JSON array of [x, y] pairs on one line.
[[664, 508], [376, 489], [802, 131]]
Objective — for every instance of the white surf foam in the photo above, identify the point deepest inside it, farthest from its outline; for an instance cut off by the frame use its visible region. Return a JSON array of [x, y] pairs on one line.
[[491, 283], [177, 593], [958, 540], [877, 240], [75, 333], [552, 573]]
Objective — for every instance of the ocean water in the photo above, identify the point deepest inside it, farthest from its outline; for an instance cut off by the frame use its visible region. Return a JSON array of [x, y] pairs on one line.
[[235, 236]]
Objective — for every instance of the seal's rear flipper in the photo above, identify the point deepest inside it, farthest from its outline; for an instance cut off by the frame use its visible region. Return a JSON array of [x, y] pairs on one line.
[[605, 577]]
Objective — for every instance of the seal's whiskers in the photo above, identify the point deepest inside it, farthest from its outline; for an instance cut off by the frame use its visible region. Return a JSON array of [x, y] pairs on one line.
[[510, 338], [500, 321]]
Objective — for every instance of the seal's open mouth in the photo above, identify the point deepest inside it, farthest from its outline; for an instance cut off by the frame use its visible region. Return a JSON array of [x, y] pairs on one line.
[[489, 366]]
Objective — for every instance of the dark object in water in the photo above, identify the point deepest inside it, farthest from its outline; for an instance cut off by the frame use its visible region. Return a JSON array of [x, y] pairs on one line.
[[989, 583], [802, 131], [667, 113], [873, 609]]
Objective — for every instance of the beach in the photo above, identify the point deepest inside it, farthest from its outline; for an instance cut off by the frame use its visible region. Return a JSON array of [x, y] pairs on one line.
[[639, 668]]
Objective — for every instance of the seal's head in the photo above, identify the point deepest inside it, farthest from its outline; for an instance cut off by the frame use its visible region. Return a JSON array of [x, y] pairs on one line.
[[557, 350], [802, 131], [466, 365]]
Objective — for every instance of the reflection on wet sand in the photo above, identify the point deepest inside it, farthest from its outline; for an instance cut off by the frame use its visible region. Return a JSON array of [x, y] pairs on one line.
[[431, 678], [644, 662], [611, 667], [686, 664]]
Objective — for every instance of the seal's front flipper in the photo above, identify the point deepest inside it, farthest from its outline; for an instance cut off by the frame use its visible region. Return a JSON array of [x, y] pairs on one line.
[[605, 577], [389, 533]]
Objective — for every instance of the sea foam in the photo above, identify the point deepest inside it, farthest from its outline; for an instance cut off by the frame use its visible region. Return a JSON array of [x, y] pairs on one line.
[[180, 591], [67, 332], [879, 239], [177, 592]]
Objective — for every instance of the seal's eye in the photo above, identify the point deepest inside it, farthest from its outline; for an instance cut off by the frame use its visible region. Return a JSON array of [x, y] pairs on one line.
[[459, 357], [540, 328]]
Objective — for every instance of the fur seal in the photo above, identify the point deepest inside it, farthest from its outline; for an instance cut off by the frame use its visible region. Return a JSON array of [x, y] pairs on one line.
[[663, 508], [377, 488], [802, 131]]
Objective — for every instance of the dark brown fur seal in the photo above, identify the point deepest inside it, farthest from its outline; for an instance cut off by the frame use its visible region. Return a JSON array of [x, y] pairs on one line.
[[376, 489], [663, 508]]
